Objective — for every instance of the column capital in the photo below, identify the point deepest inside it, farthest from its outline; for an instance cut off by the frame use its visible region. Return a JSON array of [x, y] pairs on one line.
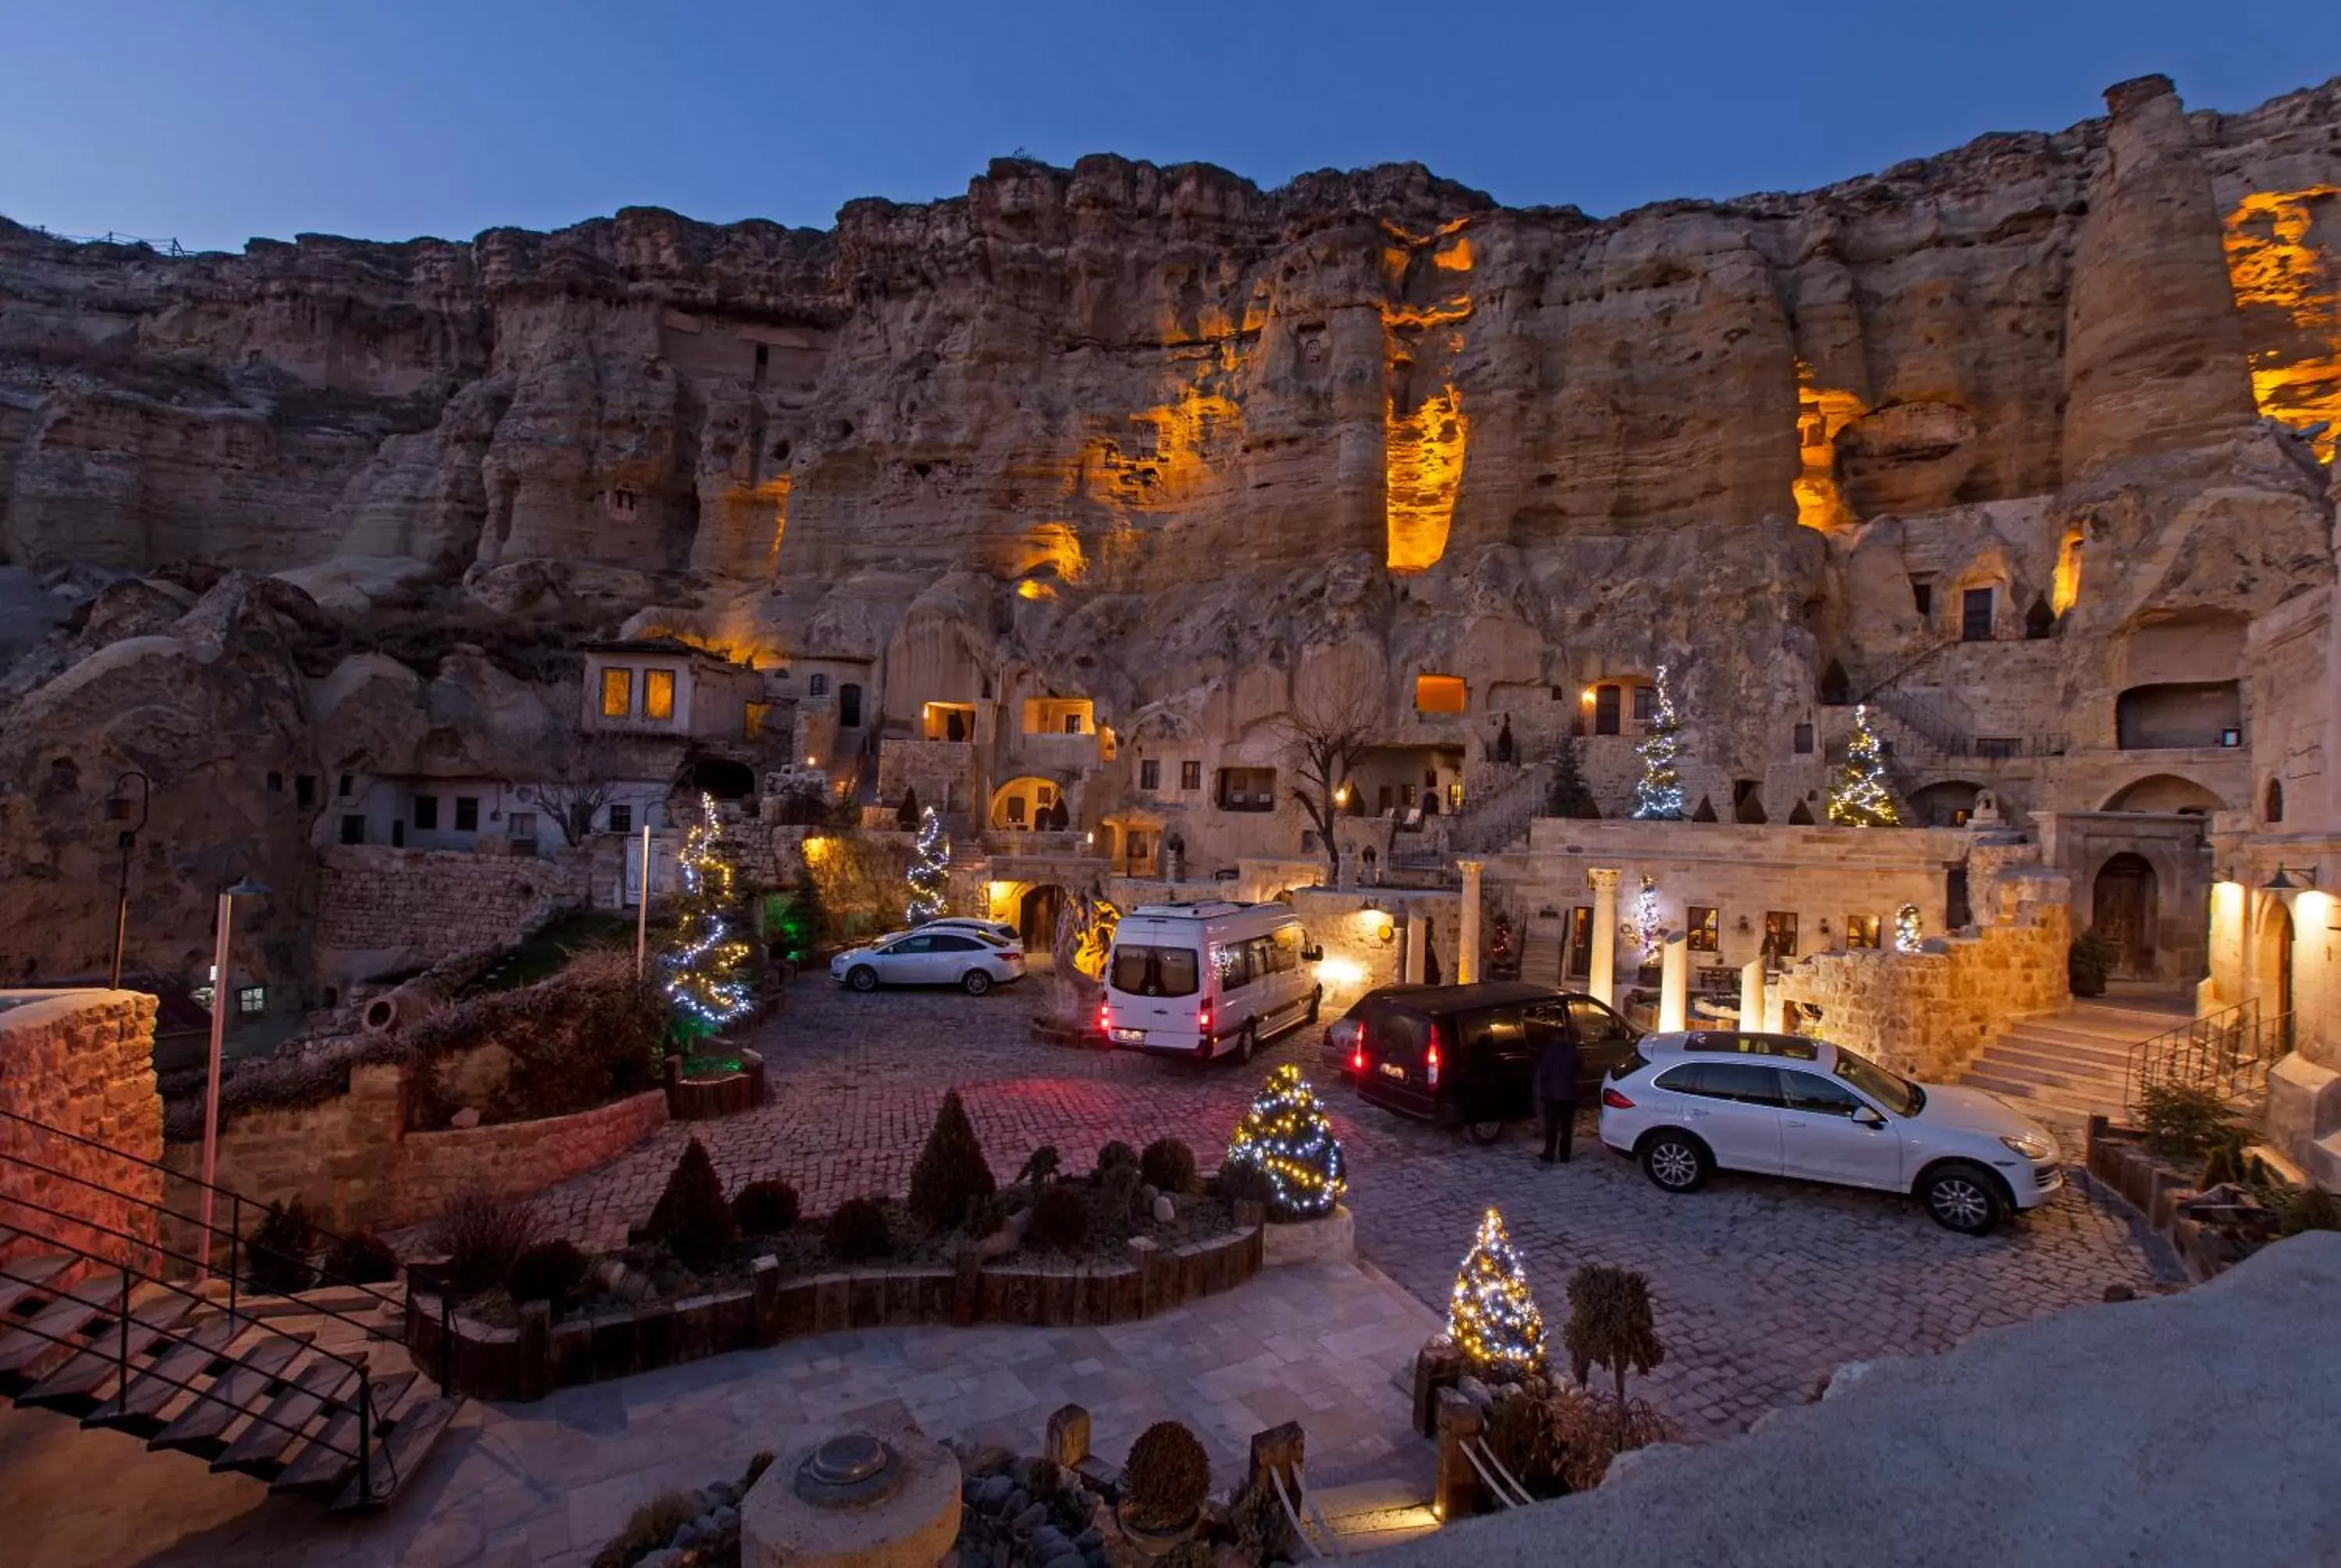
[[1602, 879], [1471, 867]]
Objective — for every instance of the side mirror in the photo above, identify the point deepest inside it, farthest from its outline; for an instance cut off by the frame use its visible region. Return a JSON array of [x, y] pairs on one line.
[[1866, 1117]]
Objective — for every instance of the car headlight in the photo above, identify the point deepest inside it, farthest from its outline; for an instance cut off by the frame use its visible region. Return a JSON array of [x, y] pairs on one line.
[[2031, 1147]]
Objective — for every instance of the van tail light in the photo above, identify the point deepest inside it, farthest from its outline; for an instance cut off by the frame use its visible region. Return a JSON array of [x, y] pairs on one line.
[[1358, 1060], [1105, 1018], [1616, 1101], [1430, 1059], [1203, 1017]]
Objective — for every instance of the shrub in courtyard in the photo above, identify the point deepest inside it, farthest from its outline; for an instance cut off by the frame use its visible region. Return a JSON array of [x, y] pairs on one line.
[[1040, 1166], [2310, 1208], [1286, 1135], [1119, 1187], [765, 1208], [2089, 963], [1167, 1478], [1610, 1325], [588, 1034], [952, 1177], [1262, 1530], [276, 1256], [550, 1271], [481, 1233], [1560, 1439], [858, 1231], [361, 1259], [1168, 1165], [651, 1526], [1116, 1153], [1061, 1220], [692, 1219], [2182, 1123], [2224, 1160]]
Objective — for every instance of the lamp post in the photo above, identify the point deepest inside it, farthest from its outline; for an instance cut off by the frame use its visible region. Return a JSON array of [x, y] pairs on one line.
[[244, 888], [118, 809]]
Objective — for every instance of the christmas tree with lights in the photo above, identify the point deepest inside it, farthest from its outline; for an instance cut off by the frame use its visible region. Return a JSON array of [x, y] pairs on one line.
[[707, 964], [929, 868], [1286, 1139], [1649, 929], [1491, 1315], [1658, 793], [1860, 798], [1908, 936]]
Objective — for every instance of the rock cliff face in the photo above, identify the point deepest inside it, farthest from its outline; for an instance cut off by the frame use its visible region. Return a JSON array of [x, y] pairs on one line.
[[1136, 430]]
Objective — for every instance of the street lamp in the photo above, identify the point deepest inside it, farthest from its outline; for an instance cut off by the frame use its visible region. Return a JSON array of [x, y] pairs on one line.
[[243, 887], [118, 809]]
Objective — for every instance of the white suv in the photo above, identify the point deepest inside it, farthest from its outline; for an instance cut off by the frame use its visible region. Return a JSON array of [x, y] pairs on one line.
[[1688, 1104]]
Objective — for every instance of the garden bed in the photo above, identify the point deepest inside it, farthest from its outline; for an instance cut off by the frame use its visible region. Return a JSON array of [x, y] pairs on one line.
[[703, 1087], [531, 1355]]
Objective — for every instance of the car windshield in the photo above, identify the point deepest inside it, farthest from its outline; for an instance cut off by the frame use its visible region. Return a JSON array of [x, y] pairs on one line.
[[1898, 1095], [1140, 971]]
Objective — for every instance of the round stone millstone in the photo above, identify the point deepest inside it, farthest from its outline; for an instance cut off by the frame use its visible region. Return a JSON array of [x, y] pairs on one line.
[[852, 1468], [855, 1501]]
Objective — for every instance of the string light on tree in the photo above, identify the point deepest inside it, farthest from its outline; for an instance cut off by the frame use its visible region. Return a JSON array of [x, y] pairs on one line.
[[1658, 793], [930, 869], [1859, 799], [1649, 929], [1907, 936], [1285, 1137], [1491, 1314], [706, 966]]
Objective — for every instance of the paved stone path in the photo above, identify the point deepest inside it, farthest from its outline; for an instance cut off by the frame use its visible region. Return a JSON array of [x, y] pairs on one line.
[[1762, 1286], [525, 1485]]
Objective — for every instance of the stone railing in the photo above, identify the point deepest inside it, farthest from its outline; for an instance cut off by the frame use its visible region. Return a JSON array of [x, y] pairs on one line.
[[81, 1062]]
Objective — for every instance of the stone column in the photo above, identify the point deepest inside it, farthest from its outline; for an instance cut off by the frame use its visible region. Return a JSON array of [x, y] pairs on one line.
[[1602, 981], [1674, 980], [1467, 955], [1751, 995], [1776, 1010], [1417, 940]]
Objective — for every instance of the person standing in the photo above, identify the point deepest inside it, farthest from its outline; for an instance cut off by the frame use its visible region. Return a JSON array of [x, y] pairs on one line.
[[1555, 1093]]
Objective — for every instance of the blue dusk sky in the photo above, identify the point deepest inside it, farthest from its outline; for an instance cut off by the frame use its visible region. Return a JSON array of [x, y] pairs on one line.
[[212, 120]]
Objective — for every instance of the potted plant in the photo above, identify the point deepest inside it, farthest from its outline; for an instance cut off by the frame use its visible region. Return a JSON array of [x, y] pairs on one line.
[[1162, 1488], [2091, 963]]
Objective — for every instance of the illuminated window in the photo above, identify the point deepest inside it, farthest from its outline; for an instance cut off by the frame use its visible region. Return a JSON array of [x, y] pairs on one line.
[[617, 693], [755, 720], [1706, 928], [1439, 694], [1861, 930], [1073, 724], [658, 695], [251, 999]]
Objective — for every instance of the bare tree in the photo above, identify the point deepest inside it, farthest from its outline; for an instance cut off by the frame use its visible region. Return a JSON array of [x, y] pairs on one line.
[[1329, 729], [576, 781]]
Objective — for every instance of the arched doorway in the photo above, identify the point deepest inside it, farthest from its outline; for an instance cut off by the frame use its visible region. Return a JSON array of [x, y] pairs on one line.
[[1036, 918], [2272, 967], [723, 778], [2123, 909], [2164, 793], [1947, 803], [1019, 804]]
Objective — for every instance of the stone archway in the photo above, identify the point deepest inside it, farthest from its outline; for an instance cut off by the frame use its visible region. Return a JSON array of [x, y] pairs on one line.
[[2125, 908], [1036, 916], [2271, 964], [2165, 793]]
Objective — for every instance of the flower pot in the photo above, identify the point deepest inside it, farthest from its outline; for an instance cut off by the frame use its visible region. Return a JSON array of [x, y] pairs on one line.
[[1154, 1543]]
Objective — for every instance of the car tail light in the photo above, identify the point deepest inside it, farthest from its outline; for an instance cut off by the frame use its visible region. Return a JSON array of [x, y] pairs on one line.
[[1616, 1101], [1358, 1060], [1430, 1059]]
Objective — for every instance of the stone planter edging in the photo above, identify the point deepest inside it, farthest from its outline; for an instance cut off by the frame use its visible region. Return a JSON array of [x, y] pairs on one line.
[[2117, 1159], [1330, 1239], [539, 1356], [705, 1099]]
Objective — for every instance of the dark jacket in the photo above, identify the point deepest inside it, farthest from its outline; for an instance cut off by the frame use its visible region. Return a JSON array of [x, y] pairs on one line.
[[1556, 1068]]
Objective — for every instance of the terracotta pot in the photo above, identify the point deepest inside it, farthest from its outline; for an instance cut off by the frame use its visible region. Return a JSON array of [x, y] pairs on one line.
[[1154, 1543]]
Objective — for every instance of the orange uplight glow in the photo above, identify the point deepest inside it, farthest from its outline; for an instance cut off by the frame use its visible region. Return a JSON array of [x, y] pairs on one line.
[[1423, 453], [2287, 287], [1821, 413]]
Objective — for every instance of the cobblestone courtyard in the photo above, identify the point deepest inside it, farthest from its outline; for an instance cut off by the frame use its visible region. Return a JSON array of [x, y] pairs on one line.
[[1762, 1285]]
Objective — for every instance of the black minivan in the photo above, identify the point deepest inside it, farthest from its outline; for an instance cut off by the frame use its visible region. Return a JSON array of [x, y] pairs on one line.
[[1465, 1056]]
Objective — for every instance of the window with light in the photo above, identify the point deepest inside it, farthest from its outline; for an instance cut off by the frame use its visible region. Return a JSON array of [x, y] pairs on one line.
[[658, 694], [617, 693]]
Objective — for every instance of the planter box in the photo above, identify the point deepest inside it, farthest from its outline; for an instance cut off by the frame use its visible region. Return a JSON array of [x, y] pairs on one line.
[[704, 1099], [1332, 1239], [527, 1362], [2118, 1160]]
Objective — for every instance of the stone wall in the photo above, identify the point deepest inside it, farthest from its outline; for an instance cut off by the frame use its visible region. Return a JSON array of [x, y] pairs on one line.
[[84, 1062], [352, 1163], [1928, 1014], [380, 908]]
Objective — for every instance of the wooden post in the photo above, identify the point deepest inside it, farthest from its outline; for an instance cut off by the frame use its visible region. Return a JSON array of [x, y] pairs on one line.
[[1067, 1441], [1437, 1366], [1455, 1485]]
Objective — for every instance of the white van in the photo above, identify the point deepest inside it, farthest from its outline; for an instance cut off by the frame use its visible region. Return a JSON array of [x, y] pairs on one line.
[[1207, 979]]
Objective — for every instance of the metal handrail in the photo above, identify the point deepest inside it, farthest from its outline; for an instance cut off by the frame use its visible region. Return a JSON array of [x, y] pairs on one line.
[[233, 1230], [2222, 1051], [363, 1456]]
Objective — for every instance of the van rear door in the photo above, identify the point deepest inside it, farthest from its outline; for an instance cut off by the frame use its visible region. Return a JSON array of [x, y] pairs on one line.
[[1156, 990]]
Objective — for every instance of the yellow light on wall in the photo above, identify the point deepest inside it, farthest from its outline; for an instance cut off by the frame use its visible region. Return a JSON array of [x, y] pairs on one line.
[[1341, 972]]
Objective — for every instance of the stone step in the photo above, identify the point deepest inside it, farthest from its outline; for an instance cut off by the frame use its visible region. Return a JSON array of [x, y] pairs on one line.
[[2048, 1059], [2076, 1106], [1987, 1075], [2061, 1027]]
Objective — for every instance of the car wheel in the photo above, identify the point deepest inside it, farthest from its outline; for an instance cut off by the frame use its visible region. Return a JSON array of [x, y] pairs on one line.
[[862, 977], [1964, 1198], [1246, 1039], [1677, 1161], [975, 982], [1316, 1000], [1483, 1133]]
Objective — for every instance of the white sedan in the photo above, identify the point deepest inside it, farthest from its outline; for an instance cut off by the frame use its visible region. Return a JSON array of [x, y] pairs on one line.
[[1688, 1104], [928, 956], [1000, 931]]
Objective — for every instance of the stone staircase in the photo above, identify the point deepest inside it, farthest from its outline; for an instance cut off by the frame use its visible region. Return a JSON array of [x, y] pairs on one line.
[[2070, 1065], [259, 1387]]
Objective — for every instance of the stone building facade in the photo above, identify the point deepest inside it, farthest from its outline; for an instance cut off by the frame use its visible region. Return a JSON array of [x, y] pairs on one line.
[[82, 1063]]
